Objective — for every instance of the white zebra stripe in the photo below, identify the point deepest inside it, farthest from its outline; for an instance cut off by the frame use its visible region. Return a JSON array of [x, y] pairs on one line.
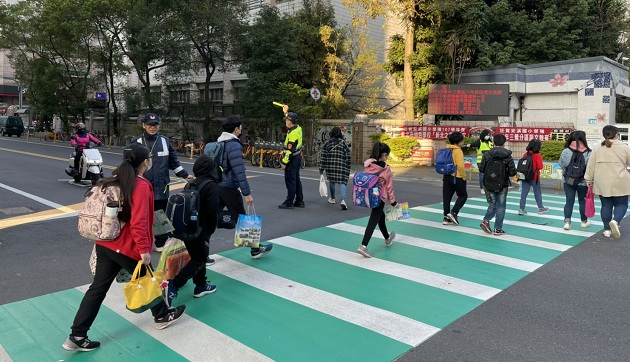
[[534, 213], [4, 356]]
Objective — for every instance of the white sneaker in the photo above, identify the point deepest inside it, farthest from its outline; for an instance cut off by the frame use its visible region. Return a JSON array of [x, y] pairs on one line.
[[607, 233], [567, 226], [614, 228], [343, 205], [585, 224], [331, 201], [483, 191], [363, 250]]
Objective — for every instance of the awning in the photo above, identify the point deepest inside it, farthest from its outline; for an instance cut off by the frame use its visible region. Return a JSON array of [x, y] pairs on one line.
[[23, 111]]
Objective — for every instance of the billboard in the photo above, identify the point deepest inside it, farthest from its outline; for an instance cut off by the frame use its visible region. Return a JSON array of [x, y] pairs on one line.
[[469, 99]]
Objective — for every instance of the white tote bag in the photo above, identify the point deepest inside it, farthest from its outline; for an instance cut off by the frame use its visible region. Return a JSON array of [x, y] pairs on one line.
[[323, 188]]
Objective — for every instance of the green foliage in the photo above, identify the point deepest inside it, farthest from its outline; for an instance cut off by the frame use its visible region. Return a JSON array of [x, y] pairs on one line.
[[551, 150], [401, 147], [379, 137], [469, 150]]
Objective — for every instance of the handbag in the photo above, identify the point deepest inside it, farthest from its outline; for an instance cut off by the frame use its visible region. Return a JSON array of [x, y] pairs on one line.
[[590, 202], [224, 220], [248, 229], [323, 189], [142, 293]]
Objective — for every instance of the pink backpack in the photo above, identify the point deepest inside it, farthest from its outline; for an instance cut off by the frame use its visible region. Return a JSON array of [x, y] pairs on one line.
[[99, 218]]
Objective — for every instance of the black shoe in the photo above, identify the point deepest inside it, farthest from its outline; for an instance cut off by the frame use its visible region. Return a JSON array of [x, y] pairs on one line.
[[170, 317], [210, 261], [453, 217], [299, 204], [83, 345], [285, 206]]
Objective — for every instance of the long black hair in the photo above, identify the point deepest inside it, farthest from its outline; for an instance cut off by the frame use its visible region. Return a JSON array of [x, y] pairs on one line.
[[378, 149], [534, 145], [124, 176], [609, 132], [579, 137]]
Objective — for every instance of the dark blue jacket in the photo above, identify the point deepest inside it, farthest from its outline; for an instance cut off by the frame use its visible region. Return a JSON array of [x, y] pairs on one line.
[[235, 176], [164, 159]]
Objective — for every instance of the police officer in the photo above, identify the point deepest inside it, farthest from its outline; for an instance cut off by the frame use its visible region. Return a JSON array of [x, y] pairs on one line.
[[292, 160], [164, 159]]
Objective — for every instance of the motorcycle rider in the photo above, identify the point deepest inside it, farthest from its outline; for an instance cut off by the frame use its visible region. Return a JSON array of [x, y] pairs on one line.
[[80, 141]]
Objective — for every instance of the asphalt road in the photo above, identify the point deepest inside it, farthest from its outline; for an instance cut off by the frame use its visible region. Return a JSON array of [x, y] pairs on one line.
[[571, 309]]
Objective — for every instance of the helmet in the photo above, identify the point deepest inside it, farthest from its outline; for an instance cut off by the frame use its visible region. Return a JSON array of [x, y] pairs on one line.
[[80, 125]]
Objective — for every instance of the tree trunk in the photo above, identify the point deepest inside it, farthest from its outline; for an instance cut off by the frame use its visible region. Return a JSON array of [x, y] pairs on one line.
[[407, 72]]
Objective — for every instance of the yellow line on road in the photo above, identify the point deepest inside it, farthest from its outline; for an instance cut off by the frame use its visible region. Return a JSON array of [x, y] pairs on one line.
[[45, 156]]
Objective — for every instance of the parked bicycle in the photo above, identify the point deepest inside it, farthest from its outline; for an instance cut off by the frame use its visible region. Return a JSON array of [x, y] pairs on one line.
[[192, 147], [54, 136]]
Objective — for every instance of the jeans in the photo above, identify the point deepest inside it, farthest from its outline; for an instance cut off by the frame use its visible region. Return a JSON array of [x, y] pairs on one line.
[[569, 192], [449, 188], [496, 207], [108, 265], [292, 180], [342, 190], [481, 180], [377, 216], [526, 184], [620, 206]]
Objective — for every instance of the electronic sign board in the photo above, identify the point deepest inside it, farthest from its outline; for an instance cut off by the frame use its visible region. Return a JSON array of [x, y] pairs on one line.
[[469, 99]]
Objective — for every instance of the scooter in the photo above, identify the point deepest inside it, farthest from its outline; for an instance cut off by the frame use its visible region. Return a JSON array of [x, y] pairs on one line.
[[90, 165]]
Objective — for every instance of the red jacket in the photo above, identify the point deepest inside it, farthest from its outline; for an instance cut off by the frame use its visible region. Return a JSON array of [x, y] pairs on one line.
[[537, 162], [136, 237]]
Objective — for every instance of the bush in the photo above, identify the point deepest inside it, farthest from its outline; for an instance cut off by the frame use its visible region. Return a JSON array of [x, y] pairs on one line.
[[402, 146], [379, 137], [551, 150], [469, 150]]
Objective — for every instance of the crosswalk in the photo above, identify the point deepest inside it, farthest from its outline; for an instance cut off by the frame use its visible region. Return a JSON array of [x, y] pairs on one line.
[[314, 298]]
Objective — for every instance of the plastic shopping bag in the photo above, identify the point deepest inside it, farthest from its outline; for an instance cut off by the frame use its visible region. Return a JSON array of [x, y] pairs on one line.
[[248, 229], [393, 213], [323, 189], [590, 202], [174, 257]]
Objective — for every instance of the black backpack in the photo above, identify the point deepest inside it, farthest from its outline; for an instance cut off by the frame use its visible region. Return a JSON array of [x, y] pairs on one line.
[[574, 173], [183, 211], [526, 167], [494, 175]]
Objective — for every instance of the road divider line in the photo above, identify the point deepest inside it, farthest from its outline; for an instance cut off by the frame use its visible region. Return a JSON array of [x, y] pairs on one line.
[[521, 240], [391, 325], [207, 344], [436, 280], [449, 249]]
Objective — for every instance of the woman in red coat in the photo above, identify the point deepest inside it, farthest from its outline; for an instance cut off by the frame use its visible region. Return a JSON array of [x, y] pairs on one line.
[[533, 149], [133, 244]]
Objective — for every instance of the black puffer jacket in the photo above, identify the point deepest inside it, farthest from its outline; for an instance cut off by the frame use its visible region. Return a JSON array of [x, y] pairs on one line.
[[205, 169], [503, 154], [164, 159]]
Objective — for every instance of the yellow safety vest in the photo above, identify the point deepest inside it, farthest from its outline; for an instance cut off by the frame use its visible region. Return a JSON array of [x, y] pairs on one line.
[[483, 147], [293, 143]]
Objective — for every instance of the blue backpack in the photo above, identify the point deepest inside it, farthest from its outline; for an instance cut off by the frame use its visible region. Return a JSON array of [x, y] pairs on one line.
[[365, 190], [444, 164]]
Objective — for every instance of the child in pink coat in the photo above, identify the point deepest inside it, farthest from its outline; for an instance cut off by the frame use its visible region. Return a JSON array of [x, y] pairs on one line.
[[376, 164]]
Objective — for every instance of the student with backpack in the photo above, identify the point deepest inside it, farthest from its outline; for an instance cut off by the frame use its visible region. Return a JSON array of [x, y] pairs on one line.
[[497, 166], [454, 183], [573, 160], [205, 182], [233, 185], [530, 165], [377, 165], [134, 243]]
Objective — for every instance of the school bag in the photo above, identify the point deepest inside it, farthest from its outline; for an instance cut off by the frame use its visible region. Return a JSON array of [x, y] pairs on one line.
[[574, 173], [99, 218], [494, 175], [444, 163], [216, 151], [182, 210], [526, 167], [365, 190]]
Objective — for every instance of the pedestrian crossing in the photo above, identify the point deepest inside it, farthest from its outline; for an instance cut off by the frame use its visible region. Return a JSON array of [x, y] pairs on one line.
[[314, 298]]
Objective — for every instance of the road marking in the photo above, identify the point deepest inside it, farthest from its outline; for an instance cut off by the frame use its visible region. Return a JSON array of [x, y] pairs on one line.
[[392, 325], [449, 249], [37, 198], [436, 280], [4, 356]]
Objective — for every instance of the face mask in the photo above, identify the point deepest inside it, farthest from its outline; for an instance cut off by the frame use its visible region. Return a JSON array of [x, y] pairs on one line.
[[487, 138]]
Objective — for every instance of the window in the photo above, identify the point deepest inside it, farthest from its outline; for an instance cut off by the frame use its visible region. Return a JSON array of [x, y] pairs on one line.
[[216, 95], [179, 96]]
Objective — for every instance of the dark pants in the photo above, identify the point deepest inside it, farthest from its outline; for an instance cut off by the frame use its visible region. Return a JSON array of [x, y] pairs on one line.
[[77, 160], [451, 187], [160, 240], [108, 265], [232, 199], [377, 216], [569, 192], [196, 267], [292, 180]]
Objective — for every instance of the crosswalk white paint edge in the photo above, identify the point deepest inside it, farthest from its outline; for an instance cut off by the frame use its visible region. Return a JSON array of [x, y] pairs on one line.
[[188, 337], [480, 233], [450, 249], [4, 356], [559, 231], [392, 325], [436, 280]]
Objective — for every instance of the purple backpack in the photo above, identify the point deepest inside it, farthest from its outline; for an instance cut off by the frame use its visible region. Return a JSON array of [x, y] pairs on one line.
[[365, 190]]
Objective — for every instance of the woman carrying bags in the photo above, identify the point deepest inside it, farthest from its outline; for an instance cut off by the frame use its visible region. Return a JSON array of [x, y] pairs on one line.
[[132, 245], [335, 160]]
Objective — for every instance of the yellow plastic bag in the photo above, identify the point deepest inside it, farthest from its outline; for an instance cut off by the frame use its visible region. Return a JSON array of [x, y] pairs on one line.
[[144, 292]]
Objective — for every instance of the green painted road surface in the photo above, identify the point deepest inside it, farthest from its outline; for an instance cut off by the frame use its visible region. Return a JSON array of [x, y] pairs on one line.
[[314, 298]]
